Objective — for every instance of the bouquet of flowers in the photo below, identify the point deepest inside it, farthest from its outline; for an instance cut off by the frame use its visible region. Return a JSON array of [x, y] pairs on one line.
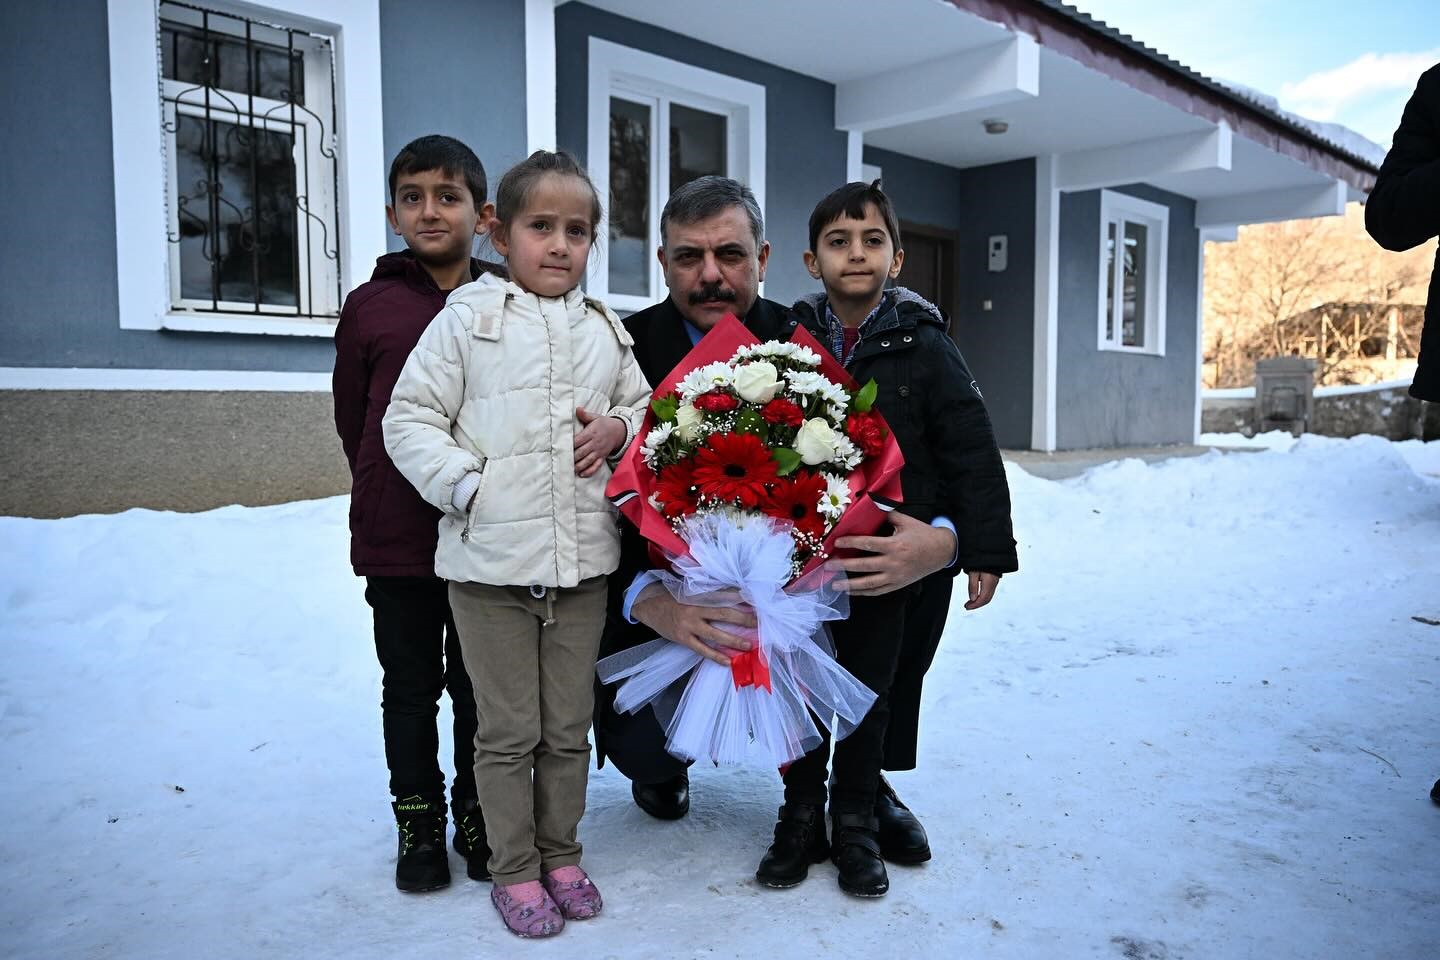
[[755, 457]]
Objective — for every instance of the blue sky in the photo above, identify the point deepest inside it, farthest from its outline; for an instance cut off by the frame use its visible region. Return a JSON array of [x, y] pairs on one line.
[[1335, 60]]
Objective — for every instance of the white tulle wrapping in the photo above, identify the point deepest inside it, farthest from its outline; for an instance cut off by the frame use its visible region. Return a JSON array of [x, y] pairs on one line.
[[705, 715]]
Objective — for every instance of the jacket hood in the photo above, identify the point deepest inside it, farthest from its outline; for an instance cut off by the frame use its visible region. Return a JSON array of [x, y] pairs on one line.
[[907, 305]]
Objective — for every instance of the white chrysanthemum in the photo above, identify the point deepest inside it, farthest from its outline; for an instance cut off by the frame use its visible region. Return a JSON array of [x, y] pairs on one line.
[[835, 395], [836, 412], [805, 382], [835, 498], [654, 440], [847, 455], [705, 379], [805, 355]]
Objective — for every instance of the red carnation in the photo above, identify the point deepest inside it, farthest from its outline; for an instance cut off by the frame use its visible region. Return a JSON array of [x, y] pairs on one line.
[[782, 411], [868, 431], [676, 491], [714, 402], [734, 466], [798, 501]]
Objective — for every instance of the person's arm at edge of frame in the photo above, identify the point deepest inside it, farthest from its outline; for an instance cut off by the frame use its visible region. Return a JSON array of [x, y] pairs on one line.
[[1403, 210]]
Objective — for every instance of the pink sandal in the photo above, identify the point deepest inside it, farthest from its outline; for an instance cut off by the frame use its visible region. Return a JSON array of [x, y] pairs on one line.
[[527, 909], [577, 897]]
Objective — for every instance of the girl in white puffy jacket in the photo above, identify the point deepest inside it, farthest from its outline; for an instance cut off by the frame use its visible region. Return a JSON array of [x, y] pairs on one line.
[[506, 417]]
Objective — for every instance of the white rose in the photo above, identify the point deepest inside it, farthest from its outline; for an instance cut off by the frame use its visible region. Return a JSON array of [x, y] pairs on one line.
[[687, 422], [815, 442], [757, 382]]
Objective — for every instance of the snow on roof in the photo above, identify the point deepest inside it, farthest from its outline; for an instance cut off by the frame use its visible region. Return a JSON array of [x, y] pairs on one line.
[[1340, 139]]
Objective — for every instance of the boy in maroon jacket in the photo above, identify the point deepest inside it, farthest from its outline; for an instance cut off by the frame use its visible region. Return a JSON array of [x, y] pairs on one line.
[[437, 203]]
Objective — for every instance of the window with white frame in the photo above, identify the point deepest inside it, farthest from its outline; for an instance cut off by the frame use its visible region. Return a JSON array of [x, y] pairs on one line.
[[1133, 263], [252, 167], [655, 125]]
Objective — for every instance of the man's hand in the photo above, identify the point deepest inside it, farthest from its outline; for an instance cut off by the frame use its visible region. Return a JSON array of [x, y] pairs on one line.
[[697, 628], [982, 589], [914, 550], [598, 439]]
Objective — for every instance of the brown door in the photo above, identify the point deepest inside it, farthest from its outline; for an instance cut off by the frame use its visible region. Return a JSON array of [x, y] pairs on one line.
[[929, 264]]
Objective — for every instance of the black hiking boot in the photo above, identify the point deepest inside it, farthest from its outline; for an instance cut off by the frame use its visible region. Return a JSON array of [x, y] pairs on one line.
[[470, 840], [799, 842], [422, 863], [902, 837], [856, 852]]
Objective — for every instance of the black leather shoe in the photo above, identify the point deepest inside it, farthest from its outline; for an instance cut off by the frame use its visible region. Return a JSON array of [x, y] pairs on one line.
[[902, 838], [666, 800], [422, 863], [856, 851], [470, 841], [1435, 792], [799, 842]]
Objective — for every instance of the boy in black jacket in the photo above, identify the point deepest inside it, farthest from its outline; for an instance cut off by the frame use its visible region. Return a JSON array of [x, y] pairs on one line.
[[956, 507]]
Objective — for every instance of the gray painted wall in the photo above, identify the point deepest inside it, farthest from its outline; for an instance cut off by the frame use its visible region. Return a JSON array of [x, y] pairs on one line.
[[806, 154], [923, 192], [1105, 398], [976, 203], [58, 302], [471, 87]]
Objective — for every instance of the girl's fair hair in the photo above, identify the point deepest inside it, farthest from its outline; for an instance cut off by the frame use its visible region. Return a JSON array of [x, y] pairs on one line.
[[519, 183]]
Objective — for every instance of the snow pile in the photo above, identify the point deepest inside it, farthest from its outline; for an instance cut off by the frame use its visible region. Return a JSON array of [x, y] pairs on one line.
[[1200, 722], [1423, 458]]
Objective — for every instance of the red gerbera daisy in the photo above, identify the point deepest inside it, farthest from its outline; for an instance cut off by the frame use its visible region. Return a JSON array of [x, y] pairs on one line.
[[782, 411], [676, 491], [734, 466], [798, 500]]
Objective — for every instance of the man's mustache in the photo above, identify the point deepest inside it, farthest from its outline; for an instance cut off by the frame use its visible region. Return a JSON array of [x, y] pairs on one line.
[[711, 293]]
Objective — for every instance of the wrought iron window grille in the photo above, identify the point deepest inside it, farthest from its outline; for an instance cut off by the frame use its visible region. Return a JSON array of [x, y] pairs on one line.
[[249, 116]]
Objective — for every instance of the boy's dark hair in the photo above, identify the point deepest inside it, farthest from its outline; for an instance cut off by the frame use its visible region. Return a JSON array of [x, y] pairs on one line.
[[704, 197], [519, 180], [850, 201], [439, 152]]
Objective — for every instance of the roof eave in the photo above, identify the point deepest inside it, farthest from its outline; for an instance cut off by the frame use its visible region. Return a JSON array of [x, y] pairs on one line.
[[1096, 45]]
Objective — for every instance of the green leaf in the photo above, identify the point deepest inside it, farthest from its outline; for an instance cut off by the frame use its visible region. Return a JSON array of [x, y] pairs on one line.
[[665, 407], [787, 459], [865, 398]]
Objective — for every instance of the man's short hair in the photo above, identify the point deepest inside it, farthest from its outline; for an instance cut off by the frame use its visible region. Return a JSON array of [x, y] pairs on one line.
[[703, 198], [850, 201], [446, 154]]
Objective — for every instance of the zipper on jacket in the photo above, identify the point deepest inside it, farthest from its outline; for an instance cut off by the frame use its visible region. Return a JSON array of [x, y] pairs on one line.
[[474, 503]]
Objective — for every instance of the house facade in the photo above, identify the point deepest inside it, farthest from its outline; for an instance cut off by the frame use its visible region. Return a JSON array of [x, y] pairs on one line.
[[189, 202]]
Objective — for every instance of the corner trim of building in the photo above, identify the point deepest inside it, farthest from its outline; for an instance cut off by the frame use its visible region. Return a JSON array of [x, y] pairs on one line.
[[1047, 317], [94, 378], [540, 95]]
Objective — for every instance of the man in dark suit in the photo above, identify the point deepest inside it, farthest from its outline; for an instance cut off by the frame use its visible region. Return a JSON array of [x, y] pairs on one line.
[[713, 253]]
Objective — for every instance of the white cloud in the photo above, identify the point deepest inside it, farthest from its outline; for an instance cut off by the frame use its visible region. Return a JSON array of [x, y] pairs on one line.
[[1326, 94]]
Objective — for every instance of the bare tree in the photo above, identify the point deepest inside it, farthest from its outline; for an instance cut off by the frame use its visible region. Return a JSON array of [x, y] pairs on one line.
[[1318, 288]]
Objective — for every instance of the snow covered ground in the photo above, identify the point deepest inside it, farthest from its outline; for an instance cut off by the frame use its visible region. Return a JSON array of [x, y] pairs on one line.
[[1200, 723]]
